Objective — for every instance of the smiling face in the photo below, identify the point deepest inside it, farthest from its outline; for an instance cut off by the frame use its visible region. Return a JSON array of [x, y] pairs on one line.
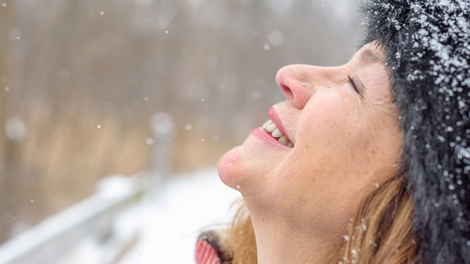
[[343, 126]]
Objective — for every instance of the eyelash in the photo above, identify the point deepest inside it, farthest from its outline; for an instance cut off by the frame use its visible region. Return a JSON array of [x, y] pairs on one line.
[[353, 84]]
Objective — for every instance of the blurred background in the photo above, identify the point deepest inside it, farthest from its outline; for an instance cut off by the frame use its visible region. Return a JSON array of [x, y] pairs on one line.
[[81, 79]]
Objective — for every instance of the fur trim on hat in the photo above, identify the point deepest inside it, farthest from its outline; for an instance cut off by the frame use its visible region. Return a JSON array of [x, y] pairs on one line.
[[428, 52]]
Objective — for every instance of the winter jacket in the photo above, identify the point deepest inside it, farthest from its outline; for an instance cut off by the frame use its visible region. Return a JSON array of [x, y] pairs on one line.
[[209, 249]]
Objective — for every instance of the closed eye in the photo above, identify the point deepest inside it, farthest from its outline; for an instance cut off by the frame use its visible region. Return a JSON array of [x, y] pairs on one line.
[[356, 84]]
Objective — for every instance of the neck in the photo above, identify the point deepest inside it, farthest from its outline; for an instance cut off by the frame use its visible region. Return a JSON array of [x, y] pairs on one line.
[[281, 242]]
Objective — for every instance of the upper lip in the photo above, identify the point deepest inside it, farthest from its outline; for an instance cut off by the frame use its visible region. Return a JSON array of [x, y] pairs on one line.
[[275, 118]]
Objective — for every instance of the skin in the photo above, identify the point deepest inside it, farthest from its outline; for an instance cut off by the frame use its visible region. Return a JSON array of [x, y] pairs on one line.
[[345, 143]]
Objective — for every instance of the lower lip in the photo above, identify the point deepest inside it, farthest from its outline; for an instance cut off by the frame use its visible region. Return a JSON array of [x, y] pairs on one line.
[[263, 135]]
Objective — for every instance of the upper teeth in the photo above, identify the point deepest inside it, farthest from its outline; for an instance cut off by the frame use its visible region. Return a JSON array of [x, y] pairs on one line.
[[272, 129]]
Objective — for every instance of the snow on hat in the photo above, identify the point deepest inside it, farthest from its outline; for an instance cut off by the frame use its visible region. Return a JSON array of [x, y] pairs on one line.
[[428, 54]]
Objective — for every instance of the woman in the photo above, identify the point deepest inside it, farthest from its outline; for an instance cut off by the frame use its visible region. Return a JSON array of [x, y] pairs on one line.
[[363, 163]]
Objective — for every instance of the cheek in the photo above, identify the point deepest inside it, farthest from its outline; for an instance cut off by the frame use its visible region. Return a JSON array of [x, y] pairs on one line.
[[331, 129], [334, 144]]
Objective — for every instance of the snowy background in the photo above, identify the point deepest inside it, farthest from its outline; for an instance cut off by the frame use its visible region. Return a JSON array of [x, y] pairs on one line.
[[170, 227]]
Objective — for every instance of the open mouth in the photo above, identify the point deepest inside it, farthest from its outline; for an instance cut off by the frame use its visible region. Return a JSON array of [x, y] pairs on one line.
[[272, 130]]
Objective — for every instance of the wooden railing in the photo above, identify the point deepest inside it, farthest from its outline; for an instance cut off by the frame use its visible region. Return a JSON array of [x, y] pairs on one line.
[[55, 237]]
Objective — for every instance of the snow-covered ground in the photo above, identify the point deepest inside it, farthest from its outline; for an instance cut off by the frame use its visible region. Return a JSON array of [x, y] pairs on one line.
[[168, 226], [154, 229]]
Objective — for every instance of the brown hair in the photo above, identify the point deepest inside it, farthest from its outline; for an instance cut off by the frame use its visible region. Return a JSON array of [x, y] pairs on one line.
[[381, 232], [241, 237]]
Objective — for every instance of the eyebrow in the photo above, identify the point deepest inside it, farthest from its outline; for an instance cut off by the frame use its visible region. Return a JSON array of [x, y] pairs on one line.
[[370, 57]]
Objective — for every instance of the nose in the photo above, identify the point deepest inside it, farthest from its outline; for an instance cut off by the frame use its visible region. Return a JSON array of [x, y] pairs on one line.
[[299, 82]]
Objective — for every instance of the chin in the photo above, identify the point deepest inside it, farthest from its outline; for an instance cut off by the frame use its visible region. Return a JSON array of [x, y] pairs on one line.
[[230, 169]]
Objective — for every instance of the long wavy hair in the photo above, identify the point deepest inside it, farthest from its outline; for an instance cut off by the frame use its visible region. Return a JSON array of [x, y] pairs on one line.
[[381, 232]]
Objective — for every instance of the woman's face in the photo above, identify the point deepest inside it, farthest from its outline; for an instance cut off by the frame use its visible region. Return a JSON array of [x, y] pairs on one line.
[[346, 140]]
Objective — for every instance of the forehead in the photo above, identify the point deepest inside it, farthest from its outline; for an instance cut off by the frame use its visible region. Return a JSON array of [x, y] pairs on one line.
[[371, 53], [369, 56]]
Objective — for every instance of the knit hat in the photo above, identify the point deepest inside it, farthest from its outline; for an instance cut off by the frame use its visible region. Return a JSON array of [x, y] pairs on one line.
[[428, 54]]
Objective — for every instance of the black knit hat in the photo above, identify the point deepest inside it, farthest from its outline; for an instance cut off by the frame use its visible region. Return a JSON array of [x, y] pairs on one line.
[[428, 52]]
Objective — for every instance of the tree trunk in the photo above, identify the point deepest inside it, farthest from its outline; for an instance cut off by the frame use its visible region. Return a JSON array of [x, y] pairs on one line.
[[5, 26]]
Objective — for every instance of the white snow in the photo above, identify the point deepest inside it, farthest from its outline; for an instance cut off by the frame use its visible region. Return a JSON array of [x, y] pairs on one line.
[[169, 226]]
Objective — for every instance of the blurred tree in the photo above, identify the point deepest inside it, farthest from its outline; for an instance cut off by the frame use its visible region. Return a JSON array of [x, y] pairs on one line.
[[7, 151], [5, 25]]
